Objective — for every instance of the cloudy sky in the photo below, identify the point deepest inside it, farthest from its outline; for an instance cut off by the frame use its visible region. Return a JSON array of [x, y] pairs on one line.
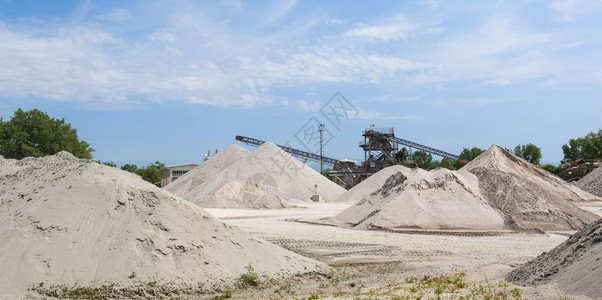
[[169, 80]]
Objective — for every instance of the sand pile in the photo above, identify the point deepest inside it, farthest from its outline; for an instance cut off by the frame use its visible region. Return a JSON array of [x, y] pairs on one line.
[[592, 182], [575, 265], [243, 194], [206, 170], [529, 198], [276, 178], [399, 197], [65, 221]]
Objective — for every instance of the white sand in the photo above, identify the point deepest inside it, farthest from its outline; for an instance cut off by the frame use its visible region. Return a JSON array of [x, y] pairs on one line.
[[247, 194], [399, 197], [206, 170], [269, 167], [528, 197], [65, 221]]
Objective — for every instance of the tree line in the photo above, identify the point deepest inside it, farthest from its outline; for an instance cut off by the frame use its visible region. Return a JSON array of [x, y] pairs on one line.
[[33, 133]]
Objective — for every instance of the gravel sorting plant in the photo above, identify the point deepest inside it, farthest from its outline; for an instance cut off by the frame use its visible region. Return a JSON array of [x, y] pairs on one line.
[[71, 222]]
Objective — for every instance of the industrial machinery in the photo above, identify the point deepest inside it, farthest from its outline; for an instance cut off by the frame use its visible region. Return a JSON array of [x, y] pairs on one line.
[[381, 149], [576, 169]]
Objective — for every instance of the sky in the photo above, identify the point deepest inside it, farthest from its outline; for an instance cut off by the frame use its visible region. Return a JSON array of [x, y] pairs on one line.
[[143, 81]]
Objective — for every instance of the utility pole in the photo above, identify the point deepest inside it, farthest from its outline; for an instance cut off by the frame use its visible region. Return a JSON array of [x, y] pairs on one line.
[[321, 130]]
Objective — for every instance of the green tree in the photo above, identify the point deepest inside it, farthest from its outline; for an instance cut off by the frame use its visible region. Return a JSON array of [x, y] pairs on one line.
[[34, 133], [152, 172], [588, 147], [550, 167], [108, 163], [470, 154], [467, 155], [529, 152], [449, 164], [424, 160], [130, 168]]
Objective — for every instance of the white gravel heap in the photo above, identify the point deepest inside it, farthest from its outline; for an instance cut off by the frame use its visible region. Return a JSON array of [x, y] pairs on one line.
[[399, 197], [274, 177], [69, 221]]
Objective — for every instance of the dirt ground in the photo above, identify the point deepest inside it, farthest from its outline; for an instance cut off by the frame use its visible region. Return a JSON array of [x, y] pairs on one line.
[[372, 264]]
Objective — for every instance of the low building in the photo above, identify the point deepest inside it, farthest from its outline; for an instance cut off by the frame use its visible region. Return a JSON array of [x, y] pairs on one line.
[[171, 173]]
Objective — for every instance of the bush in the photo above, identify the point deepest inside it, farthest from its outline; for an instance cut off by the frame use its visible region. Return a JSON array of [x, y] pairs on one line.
[[249, 278]]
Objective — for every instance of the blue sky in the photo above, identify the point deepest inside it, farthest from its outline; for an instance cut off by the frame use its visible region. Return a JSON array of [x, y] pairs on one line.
[[169, 80]]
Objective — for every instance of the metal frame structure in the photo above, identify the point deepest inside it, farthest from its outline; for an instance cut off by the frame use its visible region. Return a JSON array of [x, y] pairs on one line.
[[302, 155]]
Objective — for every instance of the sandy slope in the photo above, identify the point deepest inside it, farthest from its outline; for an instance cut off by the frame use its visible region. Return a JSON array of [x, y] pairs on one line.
[[575, 265], [274, 170], [528, 197], [66, 221], [399, 197], [206, 170]]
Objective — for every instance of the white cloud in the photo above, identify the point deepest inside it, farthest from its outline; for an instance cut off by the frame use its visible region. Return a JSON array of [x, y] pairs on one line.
[[162, 36], [115, 15], [190, 54], [384, 33], [375, 115], [568, 10]]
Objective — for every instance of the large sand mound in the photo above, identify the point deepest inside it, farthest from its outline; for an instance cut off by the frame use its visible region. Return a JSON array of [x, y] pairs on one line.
[[528, 197], [206, 170], [283, 176], [65, 221], [399, 197], [575, 265], [592, 182]]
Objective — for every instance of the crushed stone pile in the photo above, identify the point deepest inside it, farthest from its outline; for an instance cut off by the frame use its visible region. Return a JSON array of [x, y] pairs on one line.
[[207, 169], [528, 197], [592, 182], [575, 265], [399, 197], [69, 221], [275, 178]]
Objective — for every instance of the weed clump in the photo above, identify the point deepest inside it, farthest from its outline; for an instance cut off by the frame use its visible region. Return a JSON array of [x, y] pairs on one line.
[[249, 278]]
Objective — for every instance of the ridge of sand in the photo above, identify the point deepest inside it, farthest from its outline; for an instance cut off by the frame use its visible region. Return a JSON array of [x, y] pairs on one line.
[[529, 197], [207, 169], [416, 198], [70, 221], [575, 265], [592, 182], [273, 169]]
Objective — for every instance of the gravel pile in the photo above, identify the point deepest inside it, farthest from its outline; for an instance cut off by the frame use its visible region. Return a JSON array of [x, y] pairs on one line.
[[592, 182], [265, 178], [575, 265], [399, 197], [528, 197]]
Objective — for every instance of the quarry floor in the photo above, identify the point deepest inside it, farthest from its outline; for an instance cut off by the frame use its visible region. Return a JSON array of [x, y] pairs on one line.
[[371, 264]]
